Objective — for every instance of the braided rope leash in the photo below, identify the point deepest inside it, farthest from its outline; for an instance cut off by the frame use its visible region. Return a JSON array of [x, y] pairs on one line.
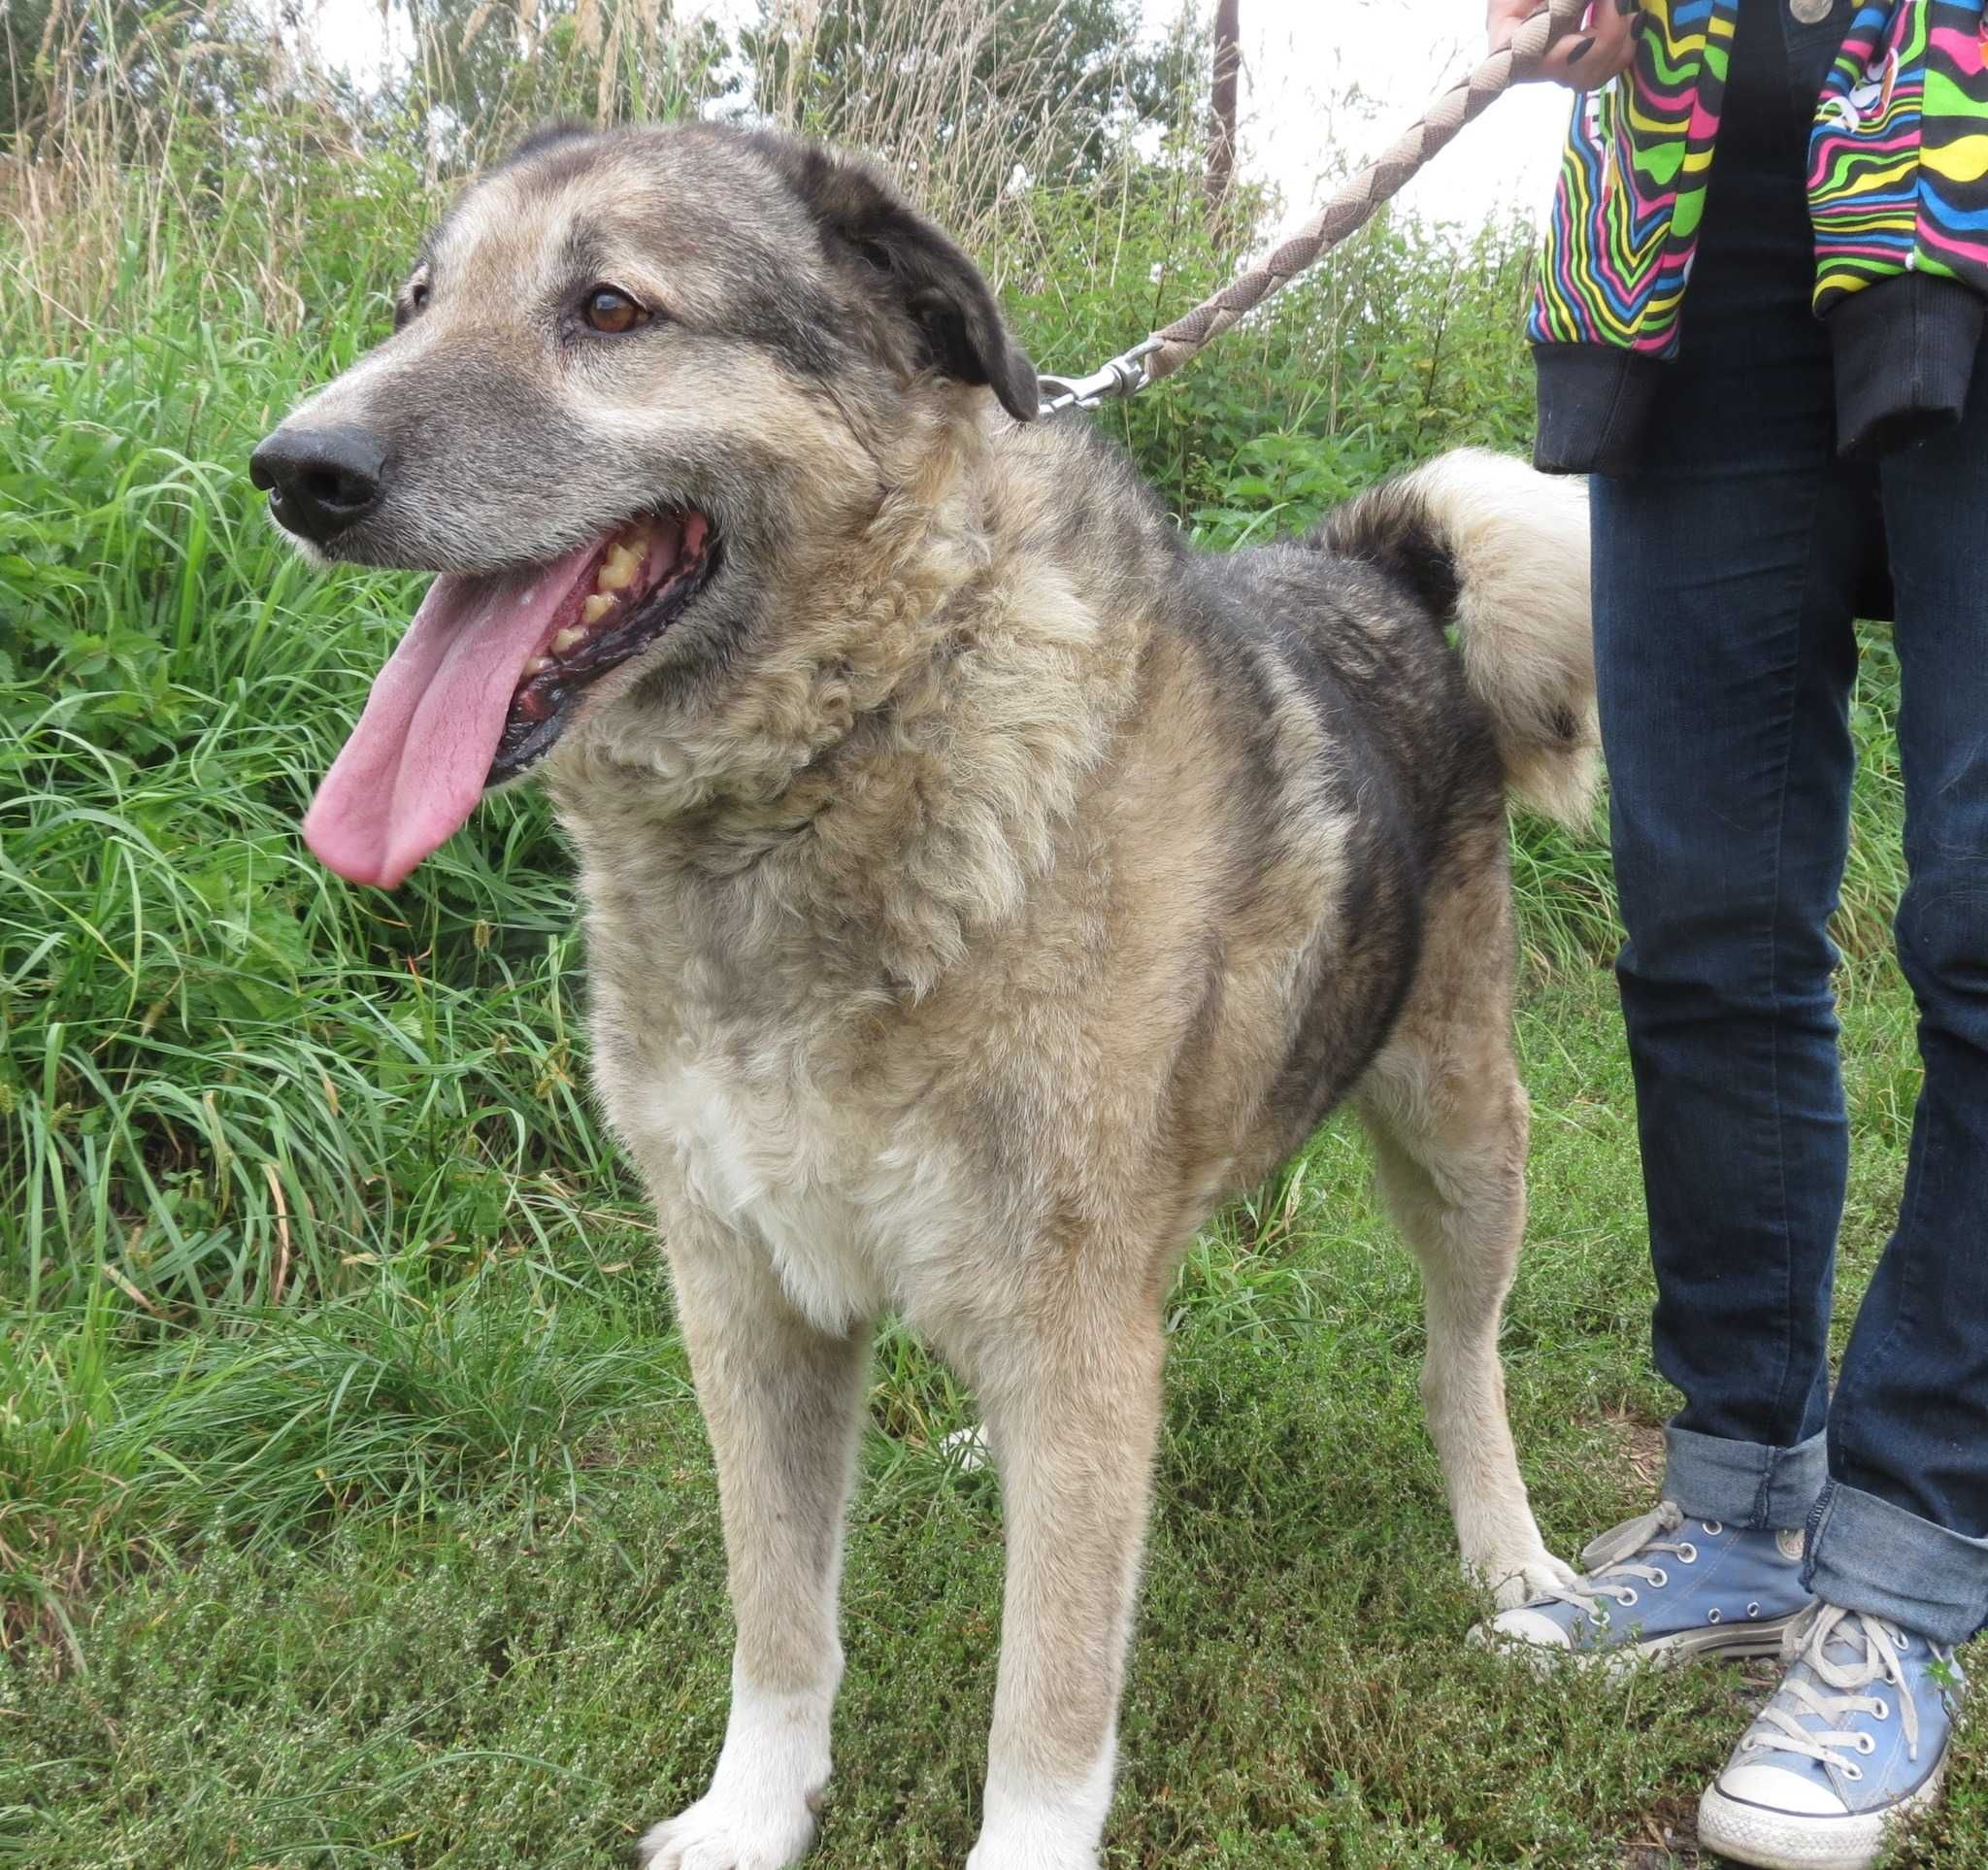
[[1348, 211]]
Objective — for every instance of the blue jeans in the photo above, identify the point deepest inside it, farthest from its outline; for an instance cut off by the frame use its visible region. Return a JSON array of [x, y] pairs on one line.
[[1727, 575]]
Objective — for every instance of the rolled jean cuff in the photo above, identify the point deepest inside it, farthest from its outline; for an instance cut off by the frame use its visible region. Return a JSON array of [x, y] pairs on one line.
[[1745, 1484], [1866, 1555]]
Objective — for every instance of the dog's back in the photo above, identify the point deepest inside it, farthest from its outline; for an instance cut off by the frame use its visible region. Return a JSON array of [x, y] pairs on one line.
[[1358, 759]]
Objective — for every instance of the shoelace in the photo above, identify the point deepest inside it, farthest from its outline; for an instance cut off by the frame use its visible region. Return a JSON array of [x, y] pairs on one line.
[[1607, 1557], [1779, 1729]]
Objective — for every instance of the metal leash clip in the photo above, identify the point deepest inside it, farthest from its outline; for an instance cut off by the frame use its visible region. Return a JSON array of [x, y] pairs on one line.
[[1124, 376]]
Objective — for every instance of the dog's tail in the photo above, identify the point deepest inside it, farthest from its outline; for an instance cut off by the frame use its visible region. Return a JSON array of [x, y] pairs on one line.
[[1502, 552]]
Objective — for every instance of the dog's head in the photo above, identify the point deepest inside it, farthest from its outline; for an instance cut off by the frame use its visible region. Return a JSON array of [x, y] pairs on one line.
[[639, 383]]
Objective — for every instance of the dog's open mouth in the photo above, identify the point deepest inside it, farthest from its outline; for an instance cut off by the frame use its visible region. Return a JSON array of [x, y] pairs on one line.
[[642, 579], [488, 676]]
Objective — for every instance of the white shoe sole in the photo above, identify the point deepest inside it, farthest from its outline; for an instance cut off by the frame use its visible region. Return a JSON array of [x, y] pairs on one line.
[[1714, 1642], [1773, 1840]]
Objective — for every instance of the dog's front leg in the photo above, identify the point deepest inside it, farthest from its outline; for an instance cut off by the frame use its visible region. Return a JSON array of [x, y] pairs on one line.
[[1073, 1420], [782, 1402]]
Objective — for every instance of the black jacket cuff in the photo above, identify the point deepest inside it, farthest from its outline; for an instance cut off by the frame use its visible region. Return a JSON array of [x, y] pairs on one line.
[[1595, 404], [1904, 354]]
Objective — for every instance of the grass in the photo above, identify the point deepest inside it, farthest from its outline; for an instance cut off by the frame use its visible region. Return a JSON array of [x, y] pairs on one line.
[[442, 1584], [354, 1505]]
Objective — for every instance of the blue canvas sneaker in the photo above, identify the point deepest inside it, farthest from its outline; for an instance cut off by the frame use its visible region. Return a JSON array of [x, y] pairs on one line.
[[1665, 1587], [1856, 1736]]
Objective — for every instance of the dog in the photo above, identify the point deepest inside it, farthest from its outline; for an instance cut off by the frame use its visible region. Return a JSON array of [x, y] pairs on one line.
[[979, 883]]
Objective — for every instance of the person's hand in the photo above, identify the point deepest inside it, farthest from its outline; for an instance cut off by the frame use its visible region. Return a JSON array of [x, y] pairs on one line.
[[1603, 45]]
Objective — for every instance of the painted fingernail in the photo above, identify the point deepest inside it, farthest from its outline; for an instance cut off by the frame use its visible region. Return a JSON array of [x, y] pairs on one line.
[[1579, 50]]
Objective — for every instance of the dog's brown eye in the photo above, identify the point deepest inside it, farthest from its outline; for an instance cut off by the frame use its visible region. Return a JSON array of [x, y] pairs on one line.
[[607, 309], [417, 294]]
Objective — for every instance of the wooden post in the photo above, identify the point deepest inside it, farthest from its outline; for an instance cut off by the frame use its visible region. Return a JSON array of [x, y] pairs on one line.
[[1221, 131]]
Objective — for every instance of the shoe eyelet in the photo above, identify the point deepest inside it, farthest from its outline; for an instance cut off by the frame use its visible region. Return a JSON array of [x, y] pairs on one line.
[[1713, 1527], [1904, 1642], [1628, 1596], [1852, 1772], [1659, 1579], [1866, 1744], [1714, 1615], [1752, 1610], [1883, 1710], [1688, 1553]]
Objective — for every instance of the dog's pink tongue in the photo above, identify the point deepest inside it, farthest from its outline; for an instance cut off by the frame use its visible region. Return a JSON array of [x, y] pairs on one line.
[[414, 769]]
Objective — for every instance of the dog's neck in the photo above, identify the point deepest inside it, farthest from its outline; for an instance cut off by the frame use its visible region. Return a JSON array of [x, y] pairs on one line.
[[884, 789]]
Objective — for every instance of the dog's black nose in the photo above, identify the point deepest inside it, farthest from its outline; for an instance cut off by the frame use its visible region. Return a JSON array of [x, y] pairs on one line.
[[321, 480]]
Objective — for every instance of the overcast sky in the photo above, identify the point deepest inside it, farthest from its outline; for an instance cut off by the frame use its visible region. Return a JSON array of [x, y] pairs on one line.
[[1299, 55]]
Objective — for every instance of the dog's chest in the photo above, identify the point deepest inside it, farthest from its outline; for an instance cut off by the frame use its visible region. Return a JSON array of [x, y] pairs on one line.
[[856, 1215]]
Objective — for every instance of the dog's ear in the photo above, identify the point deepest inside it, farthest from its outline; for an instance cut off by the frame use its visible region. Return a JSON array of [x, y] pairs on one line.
[[919, 272], [950, 303]]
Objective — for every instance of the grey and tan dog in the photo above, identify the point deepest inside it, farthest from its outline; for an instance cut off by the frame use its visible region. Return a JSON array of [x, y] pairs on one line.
[[979, 883]]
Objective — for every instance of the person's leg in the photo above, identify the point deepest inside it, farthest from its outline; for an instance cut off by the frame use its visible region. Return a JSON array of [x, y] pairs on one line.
[[1724, 571], [1857, 1735], [1724, 580], [1903, 1532], [1725, 655]]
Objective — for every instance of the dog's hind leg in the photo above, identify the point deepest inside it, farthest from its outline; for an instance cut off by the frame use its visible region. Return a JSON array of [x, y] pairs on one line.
[[1449, 1121], [1072, 1419], [783, 1403]]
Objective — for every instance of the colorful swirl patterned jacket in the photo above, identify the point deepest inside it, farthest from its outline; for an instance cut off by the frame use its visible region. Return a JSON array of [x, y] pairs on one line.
[[1898, 195]]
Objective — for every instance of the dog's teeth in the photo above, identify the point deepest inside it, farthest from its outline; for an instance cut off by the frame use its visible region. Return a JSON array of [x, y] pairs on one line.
[[538, 665], [570, 639], [618, 573]]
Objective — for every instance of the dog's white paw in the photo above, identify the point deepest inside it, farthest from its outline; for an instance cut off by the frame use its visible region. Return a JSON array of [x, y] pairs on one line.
[[1516, 1582], [1030, 1823], [719, 1833], [996, 1854], [759, 1814]]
